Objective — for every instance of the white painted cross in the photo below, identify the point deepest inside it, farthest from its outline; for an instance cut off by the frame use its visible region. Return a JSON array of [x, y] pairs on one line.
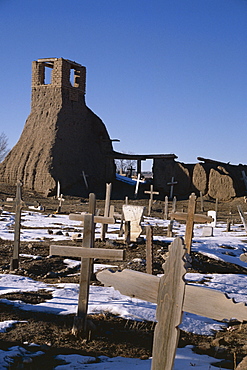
[[173, 296], [172, 183], [137, 184], [87, 252], [152, 193], [58, 189], [61, 200]]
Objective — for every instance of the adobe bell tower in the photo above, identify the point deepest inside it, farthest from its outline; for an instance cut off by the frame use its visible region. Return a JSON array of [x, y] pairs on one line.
[[62, 138]]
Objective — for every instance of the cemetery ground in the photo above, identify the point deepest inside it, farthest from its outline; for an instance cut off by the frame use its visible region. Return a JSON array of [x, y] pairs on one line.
[[113, 336]]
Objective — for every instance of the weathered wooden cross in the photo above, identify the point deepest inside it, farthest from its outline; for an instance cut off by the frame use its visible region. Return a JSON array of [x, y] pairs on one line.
[[190, 217], [152, 193], [172, 183], [107, 209], [61, 200], [14, 263], [173, 296], [87, 252]]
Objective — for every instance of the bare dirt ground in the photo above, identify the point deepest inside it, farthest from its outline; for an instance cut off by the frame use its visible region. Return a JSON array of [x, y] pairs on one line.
[[113, 336]]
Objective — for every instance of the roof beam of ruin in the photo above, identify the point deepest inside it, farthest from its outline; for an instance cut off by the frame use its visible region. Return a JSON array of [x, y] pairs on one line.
[[117, 155]]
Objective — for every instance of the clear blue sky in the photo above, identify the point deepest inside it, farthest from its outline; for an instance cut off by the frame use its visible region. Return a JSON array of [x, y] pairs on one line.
[[165, 76]]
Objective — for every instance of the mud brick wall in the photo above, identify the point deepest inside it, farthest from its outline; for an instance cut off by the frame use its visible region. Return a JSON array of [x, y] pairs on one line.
[[216, 180]]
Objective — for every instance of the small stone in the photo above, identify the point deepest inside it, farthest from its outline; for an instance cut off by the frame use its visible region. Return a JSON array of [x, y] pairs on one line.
[[59, 232]]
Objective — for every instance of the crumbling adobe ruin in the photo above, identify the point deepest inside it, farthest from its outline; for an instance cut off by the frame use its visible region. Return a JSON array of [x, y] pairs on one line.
[[211, 178], [62, 137]]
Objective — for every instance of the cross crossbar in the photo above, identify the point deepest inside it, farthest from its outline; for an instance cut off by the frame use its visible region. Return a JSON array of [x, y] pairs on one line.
[[97, 219], [102, 253]]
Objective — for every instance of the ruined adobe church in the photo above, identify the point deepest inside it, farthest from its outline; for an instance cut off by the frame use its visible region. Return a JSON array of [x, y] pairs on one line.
[[62, 137]]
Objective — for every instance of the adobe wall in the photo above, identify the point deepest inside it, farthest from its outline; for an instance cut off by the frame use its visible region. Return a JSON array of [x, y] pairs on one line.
[[216, 180]]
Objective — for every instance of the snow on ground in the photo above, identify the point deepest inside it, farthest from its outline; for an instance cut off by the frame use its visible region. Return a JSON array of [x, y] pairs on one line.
[[226, 246]]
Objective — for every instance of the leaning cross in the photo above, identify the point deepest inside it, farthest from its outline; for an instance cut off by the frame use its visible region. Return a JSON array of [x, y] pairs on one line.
[[14, 263], [173, 296], [190, 217], [172, 183], [87, 253], [152, 193]]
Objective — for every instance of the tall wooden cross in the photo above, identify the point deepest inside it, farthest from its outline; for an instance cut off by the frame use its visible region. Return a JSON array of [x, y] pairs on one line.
[[172, 183], [173, 296], [190, 217], [152, 193], [87, 252], [14, 263]]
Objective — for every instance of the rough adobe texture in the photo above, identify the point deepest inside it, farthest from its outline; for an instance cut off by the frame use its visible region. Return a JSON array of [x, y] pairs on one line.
[[62, 137]]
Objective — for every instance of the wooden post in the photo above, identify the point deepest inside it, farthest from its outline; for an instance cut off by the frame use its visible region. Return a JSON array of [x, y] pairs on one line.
[[107, 210], [139, 166], [149, 249], [166, 208], [150, 203], [190, 222], [121, 230], [174, 202], [201, 199], [14, 262], [127, 232], [80, 320], [172, 183]]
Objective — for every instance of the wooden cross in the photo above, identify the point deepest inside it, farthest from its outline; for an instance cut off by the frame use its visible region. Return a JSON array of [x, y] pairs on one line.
[[190, 217], [152, 193], [131, 169], [173, 296], [172, 183], [107, 209], [14, 262], [87, 252]]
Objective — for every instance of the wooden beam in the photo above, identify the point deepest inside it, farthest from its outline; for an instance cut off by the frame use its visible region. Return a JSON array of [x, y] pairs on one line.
[[182, 216], [107, 254], [97, 219]]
